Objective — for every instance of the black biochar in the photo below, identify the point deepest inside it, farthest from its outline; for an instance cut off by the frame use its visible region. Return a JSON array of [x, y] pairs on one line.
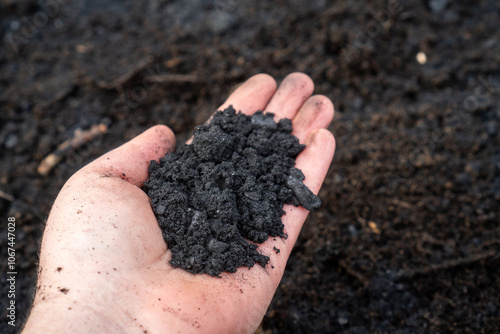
[[227, 188]]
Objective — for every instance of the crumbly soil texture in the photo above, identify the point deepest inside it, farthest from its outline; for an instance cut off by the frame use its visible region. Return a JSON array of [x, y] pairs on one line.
[[227, 188], [407, 239]]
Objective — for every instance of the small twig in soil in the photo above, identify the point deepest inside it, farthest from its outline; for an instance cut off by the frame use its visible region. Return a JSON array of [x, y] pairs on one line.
[[80, 137], [126, 77], [447, 265], [363, 280], [360, 219], [404, 204], [6, 196], [371, 224], [167, 78]]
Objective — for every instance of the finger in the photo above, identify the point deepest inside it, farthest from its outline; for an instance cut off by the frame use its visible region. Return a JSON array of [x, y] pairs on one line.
[[316, 113], [131, 160], [314, 162], [252, 95], [291, 94]]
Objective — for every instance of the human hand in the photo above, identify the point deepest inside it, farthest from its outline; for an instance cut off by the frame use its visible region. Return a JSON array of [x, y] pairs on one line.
[[104, 266]]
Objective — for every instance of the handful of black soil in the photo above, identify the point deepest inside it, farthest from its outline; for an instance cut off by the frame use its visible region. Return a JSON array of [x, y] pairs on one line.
[[227, 187]]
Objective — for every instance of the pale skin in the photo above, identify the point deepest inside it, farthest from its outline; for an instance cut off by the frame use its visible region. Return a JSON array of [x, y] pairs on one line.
[[104, 264]]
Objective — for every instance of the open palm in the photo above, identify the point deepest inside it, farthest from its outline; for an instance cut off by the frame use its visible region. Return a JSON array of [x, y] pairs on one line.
[[104, 266]]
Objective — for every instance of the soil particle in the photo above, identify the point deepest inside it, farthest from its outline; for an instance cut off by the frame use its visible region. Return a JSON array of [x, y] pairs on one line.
[[227, 188]]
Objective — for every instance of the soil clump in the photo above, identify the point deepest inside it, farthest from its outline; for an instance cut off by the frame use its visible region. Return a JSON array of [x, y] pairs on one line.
[[227, 188]]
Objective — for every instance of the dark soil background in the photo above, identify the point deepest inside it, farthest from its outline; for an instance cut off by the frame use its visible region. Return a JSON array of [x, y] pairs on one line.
[[407, 239]]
